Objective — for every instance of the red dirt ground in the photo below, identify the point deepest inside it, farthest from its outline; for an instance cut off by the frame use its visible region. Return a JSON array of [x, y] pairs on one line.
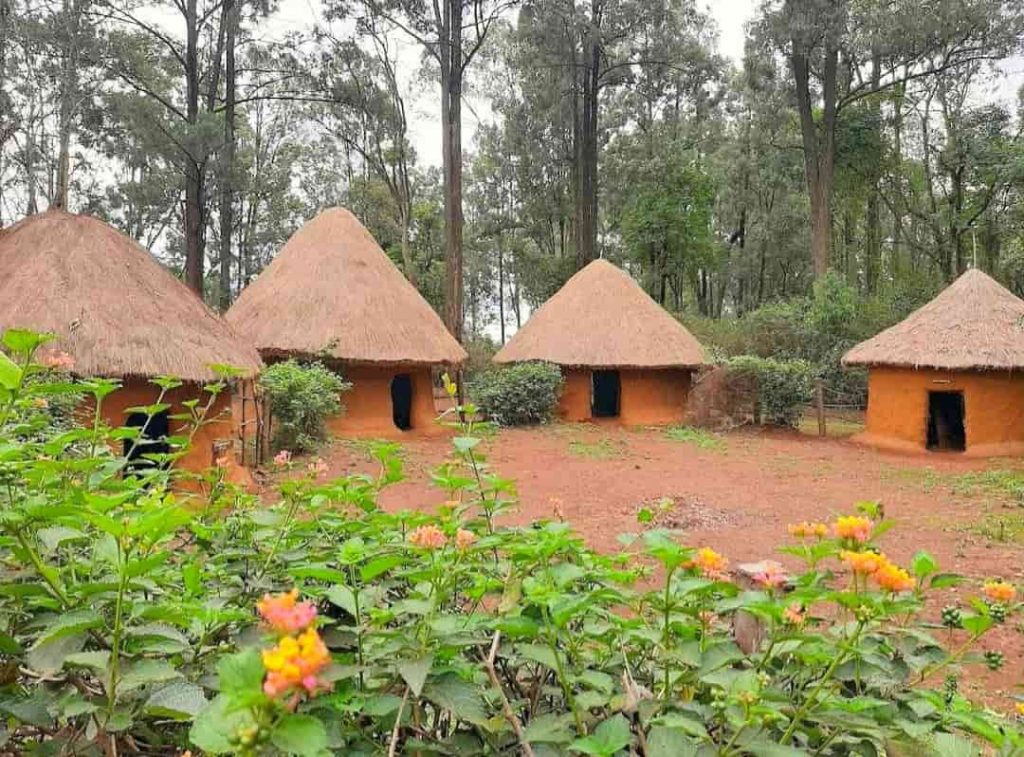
[[739, 499]]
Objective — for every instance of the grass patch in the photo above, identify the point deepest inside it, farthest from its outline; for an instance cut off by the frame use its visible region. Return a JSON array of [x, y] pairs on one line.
[[835, 428], [1005, 528], [927, 479], [600, 450], [698, 437], [1002, 484]]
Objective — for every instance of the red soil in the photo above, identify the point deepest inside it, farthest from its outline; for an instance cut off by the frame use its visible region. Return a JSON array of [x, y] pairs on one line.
[[739, 500]]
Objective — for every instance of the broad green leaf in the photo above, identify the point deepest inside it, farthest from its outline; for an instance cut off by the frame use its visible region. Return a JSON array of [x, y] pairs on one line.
[[145, 673], [923, 564], [301, 735], [180, 701], [609, 737], [669, 742], [217, 723], [537, 653], [343, 597], [98, 660], [415, 672], [550, 728], [379, 566], [49, 658], [461, 698], [67, 624], [10, 374], [22, 341], [241, 673], [950, 745]]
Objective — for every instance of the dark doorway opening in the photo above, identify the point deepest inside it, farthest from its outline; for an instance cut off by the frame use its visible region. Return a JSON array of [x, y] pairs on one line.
[[152, 439], [401, 401], [946, 421], [604, 397]]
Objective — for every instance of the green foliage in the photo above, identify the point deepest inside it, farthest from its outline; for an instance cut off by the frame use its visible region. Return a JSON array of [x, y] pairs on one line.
[[698, 437], [302, 397], [783, 386], [518, 395], [128, 621]]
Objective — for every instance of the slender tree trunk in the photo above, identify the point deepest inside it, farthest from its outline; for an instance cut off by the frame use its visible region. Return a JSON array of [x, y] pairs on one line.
[[818, 145], [897, 202], [195, 167], [501, 290], [586, 205], [227, 179], [873, 242], [72, 21], [451, 146]]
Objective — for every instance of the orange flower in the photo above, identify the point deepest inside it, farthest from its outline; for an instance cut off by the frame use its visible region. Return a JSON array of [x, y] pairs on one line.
[[706, 617], [893, 578], [863, 563], [1020, 709], [284, 613], [464, 539], [295, 664], [709, 562], [805, 530], [853, 527], [58, 361], [428, 537], [793, 615], [999, 591], [40, 403]]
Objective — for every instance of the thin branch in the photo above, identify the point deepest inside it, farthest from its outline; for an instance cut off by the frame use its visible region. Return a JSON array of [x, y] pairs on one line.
[[506, 706]]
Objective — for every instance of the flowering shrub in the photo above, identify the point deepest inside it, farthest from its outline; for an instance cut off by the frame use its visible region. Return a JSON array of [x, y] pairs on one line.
[[325, 625], [783, 386], [302, 398]]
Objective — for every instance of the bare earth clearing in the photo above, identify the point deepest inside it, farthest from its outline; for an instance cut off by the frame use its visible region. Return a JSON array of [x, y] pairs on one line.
[[738, 491]]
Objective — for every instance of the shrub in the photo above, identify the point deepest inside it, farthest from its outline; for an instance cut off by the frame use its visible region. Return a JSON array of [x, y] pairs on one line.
[[302, 397], [783, 386], [129, 623], [518, 395]]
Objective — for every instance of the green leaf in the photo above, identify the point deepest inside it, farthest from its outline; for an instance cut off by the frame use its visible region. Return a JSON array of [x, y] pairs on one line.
[[49, 657], [540, 654], [8, 644], [550, 728], [217, 723], [950, 745], [22, 341], [380, 565], [415, 672], [669, 742], [300, 735], [923, 564], [946, 580], [10, 374], [465, 443], [608, 738], [95, 660], [241, 673], [146, 672], [343, 597], [519, 627], [67, 624], [462, 699], [977, 624], [179, 701]]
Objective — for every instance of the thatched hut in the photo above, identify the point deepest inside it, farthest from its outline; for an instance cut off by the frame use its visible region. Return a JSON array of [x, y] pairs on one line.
[[951, 375], [333, 294], [621, 354], [119, 314]]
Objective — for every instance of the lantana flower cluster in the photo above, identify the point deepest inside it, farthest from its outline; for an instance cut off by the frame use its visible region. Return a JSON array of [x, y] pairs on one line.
[[295, 663], [431, 537]]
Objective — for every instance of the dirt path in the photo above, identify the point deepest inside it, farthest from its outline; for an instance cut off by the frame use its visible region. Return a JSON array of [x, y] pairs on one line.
[[739, 495]]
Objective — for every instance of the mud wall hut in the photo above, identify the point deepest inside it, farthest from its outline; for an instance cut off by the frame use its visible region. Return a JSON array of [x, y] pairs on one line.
[[951, 375], [333, 294], [622, 355], [119, 314]]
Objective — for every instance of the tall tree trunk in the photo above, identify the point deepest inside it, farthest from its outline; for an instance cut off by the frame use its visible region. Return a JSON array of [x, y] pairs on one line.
[[873, 242], [897, 146], [501, 290], [227, 179], [72, 21], [451, 146], [586, 203], [818, 144], [195, 166]]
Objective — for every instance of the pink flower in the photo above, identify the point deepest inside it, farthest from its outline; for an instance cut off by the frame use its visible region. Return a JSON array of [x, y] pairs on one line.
[[58, 361], [283, 457], [318, 467], [464, 539], [772, 577], [284, 613], [428, 537]]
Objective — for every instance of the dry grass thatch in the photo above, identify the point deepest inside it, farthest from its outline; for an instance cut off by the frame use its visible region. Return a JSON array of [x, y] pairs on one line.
[[602, 318], [974, 324], [332, 291], [112, 306]]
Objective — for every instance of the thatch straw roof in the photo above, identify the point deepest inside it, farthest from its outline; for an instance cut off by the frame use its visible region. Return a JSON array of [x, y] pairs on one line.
[[974, 324], [333, 291], [601, 318], [112, 306]]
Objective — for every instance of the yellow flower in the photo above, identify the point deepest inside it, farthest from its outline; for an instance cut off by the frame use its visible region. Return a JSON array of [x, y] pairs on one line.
[[709, 562], [805, 530], [853, 527], [893, 578], [295, 663], [1020, 708], [999, 591], [863, 563], [793, 615]]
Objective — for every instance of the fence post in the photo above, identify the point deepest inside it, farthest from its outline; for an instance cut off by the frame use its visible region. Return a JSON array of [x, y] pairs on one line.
[[819, 405]]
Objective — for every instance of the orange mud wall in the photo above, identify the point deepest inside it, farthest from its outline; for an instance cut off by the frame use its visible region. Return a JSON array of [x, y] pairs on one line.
[[368, 410], [219, 427], [897, 416], [646, 397]]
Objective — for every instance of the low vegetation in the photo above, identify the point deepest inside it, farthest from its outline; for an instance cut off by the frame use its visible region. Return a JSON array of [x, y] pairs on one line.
[[698, 437], [134, 622], [302, 397], [518, 395]]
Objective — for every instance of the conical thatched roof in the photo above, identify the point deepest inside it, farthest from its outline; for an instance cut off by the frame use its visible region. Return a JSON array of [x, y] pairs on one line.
[[601, 318], [332, 291], [113, 307], [975, 323]]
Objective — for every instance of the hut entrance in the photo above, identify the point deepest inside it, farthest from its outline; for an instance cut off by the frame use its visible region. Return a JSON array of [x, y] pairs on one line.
[[946, 421], [401, 401], [152, 439], [604, 395]]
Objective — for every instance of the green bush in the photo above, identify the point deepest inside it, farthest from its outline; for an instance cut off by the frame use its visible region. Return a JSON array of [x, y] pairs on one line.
[[784, 386], [302, 396], [518, 395], [129, 624]]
